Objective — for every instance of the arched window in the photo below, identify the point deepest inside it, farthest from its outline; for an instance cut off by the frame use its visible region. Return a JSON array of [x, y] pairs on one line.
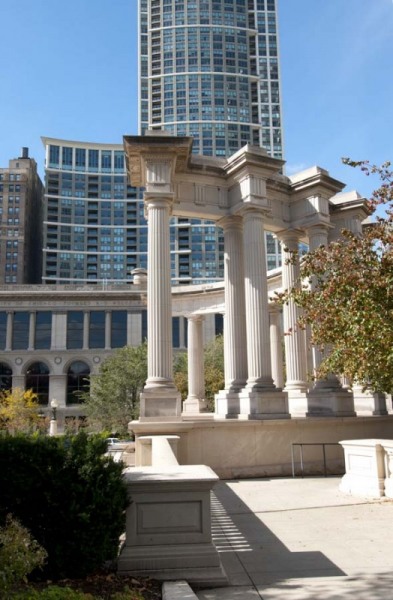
[[5, 377], [77, 381], [37, 379]]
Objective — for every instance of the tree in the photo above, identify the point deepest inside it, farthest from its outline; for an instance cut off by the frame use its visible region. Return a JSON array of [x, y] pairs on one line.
[[113, 399], [19, 411], [350, 302]]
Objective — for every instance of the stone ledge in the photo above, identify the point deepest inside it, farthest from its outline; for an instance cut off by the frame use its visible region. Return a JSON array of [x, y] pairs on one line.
[[177, 590]]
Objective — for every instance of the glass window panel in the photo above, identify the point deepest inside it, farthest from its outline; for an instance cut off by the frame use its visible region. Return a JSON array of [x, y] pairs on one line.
[[5, 377], [43, 330], [75, 329], [20, 331], [37, 379], [77, 381], [97, 329], [119, 329], [3, 330]]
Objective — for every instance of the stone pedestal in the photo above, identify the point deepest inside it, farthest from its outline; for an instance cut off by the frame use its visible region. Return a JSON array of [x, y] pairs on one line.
[[328, 398], [368, 402], [168, 527], [364, 468], [388, 449]]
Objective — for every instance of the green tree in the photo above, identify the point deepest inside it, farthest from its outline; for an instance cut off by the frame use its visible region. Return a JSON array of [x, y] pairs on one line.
[[113, 399], [19, 411], [350, 303]]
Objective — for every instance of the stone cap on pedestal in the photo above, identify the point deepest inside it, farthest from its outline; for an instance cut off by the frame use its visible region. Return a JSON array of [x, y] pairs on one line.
[[173, 474]]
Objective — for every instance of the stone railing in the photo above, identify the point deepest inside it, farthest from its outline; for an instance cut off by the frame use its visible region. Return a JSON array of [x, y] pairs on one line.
[[368, 468], [168, 521]]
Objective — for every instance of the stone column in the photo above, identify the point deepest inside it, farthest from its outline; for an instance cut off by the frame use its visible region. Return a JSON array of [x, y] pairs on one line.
[[260, 399], [86, 327], [257, 310], [235, 341], [160, 398], [195, 402], [32, 322], [295, 351], [8, 338], [134, 329], [108, 328], [317, 236], [276, 347]]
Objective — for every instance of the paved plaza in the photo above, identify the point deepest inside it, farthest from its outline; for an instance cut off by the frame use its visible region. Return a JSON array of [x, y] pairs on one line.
[[301, 539]]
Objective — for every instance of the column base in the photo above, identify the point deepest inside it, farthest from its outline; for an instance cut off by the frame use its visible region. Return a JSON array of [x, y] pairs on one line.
[[334, 402], [297, 403], [193, 407], [252, 404], [160, 404]]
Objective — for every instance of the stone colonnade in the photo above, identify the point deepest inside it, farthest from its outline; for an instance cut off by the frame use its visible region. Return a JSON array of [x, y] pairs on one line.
[[234, 192]]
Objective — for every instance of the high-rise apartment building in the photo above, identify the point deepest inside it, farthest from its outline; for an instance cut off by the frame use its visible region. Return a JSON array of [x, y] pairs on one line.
[[94, 225], [94, 228], [210, 69], [21, 201]]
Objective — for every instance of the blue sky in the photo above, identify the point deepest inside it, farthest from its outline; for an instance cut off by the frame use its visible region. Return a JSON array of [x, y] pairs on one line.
[[69, 70]]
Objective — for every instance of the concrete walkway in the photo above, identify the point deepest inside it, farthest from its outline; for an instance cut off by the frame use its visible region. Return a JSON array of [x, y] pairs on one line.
[[301, 539]]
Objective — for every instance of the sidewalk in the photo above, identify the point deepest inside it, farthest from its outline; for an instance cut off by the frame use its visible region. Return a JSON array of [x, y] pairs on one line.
[[301, 539]]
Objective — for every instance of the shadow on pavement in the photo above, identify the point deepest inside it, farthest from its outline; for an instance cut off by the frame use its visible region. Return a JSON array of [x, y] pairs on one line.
[[251, 553]]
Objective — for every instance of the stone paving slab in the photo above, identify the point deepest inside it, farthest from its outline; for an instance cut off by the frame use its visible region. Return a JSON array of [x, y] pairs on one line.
[[301, 539]]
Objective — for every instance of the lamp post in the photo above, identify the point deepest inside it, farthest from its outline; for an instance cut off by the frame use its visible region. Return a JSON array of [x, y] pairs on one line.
[[53, 422]]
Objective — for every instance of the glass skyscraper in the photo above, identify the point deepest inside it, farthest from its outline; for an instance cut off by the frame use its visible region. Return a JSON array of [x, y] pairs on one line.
[[210, 69]]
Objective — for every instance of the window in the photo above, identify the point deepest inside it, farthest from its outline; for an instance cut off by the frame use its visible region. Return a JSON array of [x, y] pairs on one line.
[[3, 330], [74, 329], [119, 329], [97, 329], [43, 330], [20, 331], [37, 379], [5, 377], [77, 381]]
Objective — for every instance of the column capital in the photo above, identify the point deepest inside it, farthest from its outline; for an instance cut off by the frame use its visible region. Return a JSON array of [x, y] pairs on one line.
[[319, 229], [195, 317], [289, 236], [231, 222], [251, 211]]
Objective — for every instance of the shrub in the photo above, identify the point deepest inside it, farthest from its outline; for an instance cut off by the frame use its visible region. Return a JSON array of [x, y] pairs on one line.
[[19, 554], [70, 496], [53, 592]]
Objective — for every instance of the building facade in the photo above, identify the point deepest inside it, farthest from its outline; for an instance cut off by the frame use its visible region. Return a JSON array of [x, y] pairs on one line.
[[210, 69], [53, 337], [94, 225], [21, 204]]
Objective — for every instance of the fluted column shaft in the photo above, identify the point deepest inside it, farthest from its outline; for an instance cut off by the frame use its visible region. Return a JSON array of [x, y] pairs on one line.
[[32, 322], [235, 344], [295, 351], [10, 322], [256, 300], [317, 236], [108, 327], [86, 328], [276, 348], [196, 375], [159, 307]]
